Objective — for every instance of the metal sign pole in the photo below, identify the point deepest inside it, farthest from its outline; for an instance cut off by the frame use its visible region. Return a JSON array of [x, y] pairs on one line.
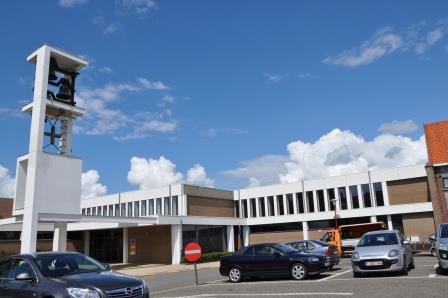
[[196, 273]]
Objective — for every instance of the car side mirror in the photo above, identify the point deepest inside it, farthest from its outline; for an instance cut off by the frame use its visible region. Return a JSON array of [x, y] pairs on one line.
[[107, 266], [25, 276], [406, 242], [432, 237]]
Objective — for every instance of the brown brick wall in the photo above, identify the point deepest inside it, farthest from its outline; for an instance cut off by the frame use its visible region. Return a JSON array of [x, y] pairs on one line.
[[408, 191], [6, 207], [436, 135], [418, 224], [153, 244], [199, 206]]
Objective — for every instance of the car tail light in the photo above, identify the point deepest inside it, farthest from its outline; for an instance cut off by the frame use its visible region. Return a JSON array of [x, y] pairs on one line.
[[329, 252]]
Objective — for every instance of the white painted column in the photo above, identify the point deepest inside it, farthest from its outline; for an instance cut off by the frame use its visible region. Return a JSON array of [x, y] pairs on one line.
[[125, 245], [246, 235], [373, 219], [257, 207], [315, 201], [65, 141], [285, 204], [87, 243], [305, 230], [360, 197], [275, 206], [338, 200], [385, 193], [60, 236], [230, 239], [389, 222], [266, 207], [29, 231], [176, 244], [348, 197], [326, 201]]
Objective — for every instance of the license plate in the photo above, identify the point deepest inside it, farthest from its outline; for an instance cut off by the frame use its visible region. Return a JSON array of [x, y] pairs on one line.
[[378, 263], [327, 264]]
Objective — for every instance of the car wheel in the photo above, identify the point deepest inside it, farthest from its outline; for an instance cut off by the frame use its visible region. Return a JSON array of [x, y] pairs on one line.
[[235, 274], [440, 270], [299, 271], [404, 270], [357, 274], [412, 264], [330, 268]]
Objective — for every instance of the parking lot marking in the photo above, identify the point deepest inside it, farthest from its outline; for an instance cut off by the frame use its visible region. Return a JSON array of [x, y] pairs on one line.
[[266, 294], [334, 275], [432, 275]]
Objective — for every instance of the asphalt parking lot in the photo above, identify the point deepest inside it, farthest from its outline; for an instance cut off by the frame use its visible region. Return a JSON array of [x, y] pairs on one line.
[[423, 281]]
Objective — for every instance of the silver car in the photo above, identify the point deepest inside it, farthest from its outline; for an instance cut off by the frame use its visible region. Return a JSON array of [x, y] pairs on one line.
[[382, 251], [442, 246]]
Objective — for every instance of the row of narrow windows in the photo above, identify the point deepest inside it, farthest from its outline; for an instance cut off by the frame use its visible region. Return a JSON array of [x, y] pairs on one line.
[[277, 206], [159, 206]]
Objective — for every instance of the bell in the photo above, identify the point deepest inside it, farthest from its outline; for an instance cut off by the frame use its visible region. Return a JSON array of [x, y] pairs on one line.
[[64, 90], [52, 71]]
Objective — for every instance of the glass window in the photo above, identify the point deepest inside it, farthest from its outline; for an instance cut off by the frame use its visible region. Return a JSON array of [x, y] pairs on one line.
[[271, 206], [378, 240], [130, 209], [321, 200], [93, 210], [143, 208], [123, 210], [175, 205], [111, 210], [151, 207], [159, 206], [310, 201], [117, 210], [354, 196], [290, 203], [5, 267], [83, 211], [167, 205], [244, 207], [237, 209], [19, 267], [331, 199], [104, 210], [249, 251], [89, 211], [300, 205], [253, 208], [261, 207], [263, 250], [378, 189], [366, 195], [136, 209], [280, 205], [445, 183], [54, 265], [342, 197], [301, 246]]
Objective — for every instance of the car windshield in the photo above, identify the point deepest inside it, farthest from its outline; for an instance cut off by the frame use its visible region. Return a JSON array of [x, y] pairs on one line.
[[67, 264], [284, 248], [444, 231], [378, 239]]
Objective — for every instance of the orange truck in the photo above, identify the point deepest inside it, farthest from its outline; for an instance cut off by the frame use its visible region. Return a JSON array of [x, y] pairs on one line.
[[346, 237]]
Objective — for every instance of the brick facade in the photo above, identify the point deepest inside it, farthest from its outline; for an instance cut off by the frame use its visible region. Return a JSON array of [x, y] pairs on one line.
[[437, 142]]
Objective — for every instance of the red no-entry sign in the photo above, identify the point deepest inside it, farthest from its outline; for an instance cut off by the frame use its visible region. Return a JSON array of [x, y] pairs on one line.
[[192, 251]]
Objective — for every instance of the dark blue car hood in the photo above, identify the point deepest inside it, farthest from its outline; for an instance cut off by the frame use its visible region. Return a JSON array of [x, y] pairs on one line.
[[106, 280]]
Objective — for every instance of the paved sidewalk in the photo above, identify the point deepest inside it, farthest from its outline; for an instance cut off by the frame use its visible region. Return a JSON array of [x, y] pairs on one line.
[[155, 269]]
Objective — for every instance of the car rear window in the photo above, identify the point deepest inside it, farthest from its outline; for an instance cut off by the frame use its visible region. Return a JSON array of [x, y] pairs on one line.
[[321, 243], [378, 239]]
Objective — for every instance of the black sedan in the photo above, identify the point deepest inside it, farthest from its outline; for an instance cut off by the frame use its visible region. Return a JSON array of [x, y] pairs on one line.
[[272, 259], [64, 275]]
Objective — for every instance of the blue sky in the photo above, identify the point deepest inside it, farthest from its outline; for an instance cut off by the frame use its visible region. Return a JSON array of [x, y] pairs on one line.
[[232, 93]]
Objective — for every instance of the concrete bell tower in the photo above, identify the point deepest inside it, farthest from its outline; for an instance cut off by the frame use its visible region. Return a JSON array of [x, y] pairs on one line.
[[48, 177]]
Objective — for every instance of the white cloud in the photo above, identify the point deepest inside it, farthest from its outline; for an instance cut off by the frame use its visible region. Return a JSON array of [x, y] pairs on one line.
[[336, 153], [398, 127], [7, 184], [168, 98], [106, 26], [264, 169], [151, 173], [253, 182], [70, 3], [106, 69], [213, 132], [100, 119], [197, 176], [383, 42], [305, 75], [417, 37], [140, 7], [273, 77], [90, 185], [8, 112]]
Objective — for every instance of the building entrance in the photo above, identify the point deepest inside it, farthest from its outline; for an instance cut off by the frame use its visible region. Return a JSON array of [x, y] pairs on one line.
[[107, 245]]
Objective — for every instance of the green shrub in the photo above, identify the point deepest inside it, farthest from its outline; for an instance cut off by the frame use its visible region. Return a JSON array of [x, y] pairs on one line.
[[208, 257]]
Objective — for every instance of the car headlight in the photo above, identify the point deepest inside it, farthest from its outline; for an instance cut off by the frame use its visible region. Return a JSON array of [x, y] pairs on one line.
[[393, 253], [313, 259], [442, 246], [355, 255], [82, 293], [144, 284]]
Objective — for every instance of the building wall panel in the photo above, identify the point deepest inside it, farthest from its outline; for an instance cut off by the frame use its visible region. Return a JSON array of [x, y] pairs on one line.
[[407, 191], [418, 224], [199, 206], [153, 244]]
